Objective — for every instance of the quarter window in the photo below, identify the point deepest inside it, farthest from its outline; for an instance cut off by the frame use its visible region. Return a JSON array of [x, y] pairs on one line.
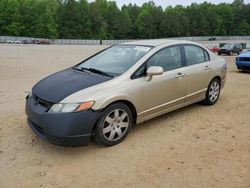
[[206, 55], [169, 58], [195, 55]]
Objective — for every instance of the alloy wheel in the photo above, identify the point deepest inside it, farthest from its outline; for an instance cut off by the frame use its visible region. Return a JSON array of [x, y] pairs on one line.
[[214, 91], [115, 124]]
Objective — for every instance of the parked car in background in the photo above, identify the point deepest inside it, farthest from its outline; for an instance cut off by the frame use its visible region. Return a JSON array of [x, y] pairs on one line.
[[45, 41], [214, 49], [17, 42], [230, 49], [105, 95], [36, 41], [26, 42], [2, 41], [9, 41], [243, 61], [212, 39]]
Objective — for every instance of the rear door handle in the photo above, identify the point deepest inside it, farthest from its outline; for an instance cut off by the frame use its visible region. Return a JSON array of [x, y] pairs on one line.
[[180, 75], [207, 68]]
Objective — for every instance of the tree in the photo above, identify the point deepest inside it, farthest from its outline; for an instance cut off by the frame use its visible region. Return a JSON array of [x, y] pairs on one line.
[[46, 25], [148, 21], [10, 18], [133, 12], [98, 23], [68, 19], [102, 19]]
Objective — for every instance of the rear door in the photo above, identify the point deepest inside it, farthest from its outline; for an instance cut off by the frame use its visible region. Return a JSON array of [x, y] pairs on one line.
[[197, 71]]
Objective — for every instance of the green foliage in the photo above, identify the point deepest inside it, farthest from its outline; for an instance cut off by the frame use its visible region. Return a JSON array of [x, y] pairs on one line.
[[102, 19], [149, 20]]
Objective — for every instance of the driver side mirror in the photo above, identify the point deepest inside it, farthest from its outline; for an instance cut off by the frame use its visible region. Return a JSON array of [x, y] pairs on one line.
[[154, 70]]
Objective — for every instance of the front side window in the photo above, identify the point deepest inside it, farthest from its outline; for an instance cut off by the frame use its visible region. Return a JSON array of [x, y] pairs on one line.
[[195, 55], [115, 60], [169, 58]]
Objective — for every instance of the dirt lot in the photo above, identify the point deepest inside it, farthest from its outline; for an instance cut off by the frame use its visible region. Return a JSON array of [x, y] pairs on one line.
[[197, 146]]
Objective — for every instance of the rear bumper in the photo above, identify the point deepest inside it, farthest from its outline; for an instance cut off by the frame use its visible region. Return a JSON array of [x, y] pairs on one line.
[[65, 129]]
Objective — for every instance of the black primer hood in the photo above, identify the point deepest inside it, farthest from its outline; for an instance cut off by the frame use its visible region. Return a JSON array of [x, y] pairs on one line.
[[56, 87]]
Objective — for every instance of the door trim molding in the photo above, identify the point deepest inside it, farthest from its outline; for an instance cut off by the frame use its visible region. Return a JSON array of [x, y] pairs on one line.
[[197, 92], [171, 102], [160, 106]]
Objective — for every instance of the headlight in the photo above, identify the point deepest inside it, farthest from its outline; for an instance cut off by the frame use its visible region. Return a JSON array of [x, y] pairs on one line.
[[71, 107], [237, 58]]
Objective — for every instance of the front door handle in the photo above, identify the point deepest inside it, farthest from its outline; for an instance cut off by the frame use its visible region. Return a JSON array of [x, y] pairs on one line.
[[180, 75], [207, 68]]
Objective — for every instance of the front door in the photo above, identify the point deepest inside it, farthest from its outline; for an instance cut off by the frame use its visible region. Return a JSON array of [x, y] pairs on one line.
[[166, 90]]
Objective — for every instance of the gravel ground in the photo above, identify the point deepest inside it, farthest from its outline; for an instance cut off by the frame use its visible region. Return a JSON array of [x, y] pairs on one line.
[[196, 146]]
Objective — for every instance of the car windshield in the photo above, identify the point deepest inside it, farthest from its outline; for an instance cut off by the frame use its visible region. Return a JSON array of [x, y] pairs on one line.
[[115, 60], [228, 46]]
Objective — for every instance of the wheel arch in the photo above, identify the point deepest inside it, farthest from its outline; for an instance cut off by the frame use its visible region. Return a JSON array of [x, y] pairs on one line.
[[128, 103], [214, 77], [125, 101]]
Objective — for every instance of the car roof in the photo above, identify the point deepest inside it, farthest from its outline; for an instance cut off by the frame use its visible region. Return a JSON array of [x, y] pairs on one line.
[[156, 42]]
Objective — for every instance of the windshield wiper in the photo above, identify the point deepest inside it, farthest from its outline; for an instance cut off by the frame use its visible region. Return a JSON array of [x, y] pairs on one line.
[[96, 71], [75, 68], [92, 70]]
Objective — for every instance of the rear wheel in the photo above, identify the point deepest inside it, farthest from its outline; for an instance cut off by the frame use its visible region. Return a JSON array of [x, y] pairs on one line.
[[113, 125], [213, 92]]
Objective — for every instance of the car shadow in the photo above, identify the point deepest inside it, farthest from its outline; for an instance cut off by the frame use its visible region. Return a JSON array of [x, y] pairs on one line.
[[153, 123], [135, 131], [244, 72]]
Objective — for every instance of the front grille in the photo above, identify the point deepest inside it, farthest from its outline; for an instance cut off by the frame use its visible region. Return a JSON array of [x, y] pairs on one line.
[[244, 67], [38, 128], [35, 127], [245, 59], [42, 102]]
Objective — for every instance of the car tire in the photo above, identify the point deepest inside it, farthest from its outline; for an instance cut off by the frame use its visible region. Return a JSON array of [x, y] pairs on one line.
[[230, 53], [213, 92], [219, 53], [113, 125]]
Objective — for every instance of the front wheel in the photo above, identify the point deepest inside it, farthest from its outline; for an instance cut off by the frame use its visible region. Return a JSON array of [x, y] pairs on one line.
[[213, 92], [113, 125]]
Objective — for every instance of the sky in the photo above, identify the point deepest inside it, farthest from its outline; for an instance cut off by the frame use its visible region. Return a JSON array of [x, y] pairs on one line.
[[166, 3]]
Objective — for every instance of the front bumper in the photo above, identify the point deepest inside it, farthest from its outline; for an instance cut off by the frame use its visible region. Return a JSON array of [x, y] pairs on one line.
[[66, 129], [243, 65]]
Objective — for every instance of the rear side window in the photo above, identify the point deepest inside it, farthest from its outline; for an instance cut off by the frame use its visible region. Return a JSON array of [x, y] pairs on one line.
[[195, 55]]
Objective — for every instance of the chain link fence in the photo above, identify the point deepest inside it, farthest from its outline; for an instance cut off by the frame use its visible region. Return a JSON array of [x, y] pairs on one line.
[[205, 40]]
